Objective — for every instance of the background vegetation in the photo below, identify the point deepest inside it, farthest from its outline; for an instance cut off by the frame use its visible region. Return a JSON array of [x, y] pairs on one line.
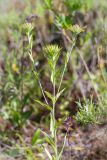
[[70, 25]]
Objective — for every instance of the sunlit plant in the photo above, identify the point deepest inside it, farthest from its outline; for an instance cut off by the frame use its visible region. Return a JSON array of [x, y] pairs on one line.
[[52, 54], [89, 113]]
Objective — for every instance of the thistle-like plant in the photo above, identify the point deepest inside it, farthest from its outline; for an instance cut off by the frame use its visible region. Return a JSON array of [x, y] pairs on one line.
[[52, 54]]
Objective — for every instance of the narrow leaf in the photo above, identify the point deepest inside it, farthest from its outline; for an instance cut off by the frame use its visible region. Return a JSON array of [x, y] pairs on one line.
[[36, 74], [50, 96], [52, 77], [49, 139], [60, 154], [44, 105], [36, 136], [59, 94]]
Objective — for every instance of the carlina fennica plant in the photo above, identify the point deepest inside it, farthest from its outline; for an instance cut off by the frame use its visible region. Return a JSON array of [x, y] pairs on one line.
[[52, 53]]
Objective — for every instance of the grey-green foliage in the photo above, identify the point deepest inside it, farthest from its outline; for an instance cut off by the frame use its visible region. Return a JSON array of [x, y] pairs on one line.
[[88, 113]]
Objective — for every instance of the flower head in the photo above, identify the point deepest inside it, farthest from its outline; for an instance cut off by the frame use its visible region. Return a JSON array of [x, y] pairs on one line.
[[76, 29], [27, 27]]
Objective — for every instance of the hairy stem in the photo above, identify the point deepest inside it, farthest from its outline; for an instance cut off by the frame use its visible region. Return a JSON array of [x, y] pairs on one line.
[[54, 119]]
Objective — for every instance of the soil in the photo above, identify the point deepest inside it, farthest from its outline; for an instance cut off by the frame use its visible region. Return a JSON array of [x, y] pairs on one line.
[[88, 143]]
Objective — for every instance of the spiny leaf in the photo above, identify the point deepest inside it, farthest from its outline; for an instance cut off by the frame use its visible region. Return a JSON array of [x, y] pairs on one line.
[[76, 29], [51, 51], [27, 27]]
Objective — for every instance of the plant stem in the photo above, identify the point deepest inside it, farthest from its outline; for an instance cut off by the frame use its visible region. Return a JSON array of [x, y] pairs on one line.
[[54, 119], [65, 66], [42, 91], [31, 58]]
